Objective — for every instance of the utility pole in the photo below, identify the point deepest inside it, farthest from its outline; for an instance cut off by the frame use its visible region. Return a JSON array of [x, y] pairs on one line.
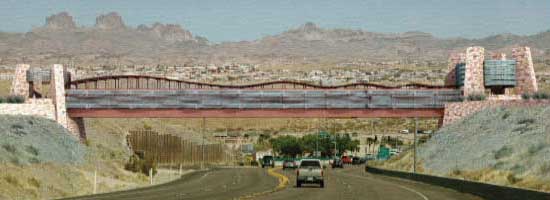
[[203, 138], [317, 138], [414, 154]]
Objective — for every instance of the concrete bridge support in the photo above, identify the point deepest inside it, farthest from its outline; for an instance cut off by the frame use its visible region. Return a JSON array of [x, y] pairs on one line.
[[22, 87]]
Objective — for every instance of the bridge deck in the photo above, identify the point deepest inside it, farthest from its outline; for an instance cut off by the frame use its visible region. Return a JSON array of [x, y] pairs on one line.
[[258, 103]]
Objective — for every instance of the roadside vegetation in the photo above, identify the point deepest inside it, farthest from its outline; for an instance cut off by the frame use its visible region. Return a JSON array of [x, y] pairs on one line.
[[291, 146], [504, 146]]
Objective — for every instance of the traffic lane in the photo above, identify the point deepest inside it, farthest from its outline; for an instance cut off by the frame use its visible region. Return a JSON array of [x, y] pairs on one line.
[[353, 183], [214, 184], [339, 186], [427, 191]]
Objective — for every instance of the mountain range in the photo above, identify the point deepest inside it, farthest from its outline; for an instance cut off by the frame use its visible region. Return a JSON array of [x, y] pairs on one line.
[[111, 42]]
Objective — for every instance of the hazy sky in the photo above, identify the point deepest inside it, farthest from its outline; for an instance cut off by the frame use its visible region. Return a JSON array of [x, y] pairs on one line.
[[233, 20]]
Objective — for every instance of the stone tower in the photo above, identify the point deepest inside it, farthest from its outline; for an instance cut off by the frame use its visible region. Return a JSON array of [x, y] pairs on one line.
[[473, 79], [454, 60], [525, 72]]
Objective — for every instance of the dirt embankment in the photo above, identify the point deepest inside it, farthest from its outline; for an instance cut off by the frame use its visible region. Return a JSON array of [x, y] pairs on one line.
[[505, 146], [40, 160]]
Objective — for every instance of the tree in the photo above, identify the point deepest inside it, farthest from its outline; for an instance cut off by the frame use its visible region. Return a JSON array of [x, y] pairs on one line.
[[287, 145]]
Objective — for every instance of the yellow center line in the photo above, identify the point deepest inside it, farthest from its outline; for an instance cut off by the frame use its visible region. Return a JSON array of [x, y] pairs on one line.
[[283, 182]]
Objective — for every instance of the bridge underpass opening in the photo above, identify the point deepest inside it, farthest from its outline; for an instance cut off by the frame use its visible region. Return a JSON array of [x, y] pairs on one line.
[[245, 131]]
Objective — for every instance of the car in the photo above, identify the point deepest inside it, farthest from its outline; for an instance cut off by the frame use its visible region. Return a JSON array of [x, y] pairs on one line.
[[346, 159], [394, 152], [289, 164], [357, 160], [267, 161], [310, 171], [370, 157], [337, 163]]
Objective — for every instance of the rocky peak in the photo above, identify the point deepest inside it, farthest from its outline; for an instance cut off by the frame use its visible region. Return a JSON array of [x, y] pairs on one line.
[[60, 21], [168, 32], [309, 27], [111, 21]]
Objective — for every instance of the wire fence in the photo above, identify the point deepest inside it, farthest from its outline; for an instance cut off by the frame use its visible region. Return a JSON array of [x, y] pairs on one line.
[[170, 150]]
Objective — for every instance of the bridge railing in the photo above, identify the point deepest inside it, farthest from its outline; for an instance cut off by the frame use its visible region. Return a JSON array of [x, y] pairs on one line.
[[251, 99]]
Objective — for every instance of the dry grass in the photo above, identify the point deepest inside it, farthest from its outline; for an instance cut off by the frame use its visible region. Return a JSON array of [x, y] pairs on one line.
[[5, 87]]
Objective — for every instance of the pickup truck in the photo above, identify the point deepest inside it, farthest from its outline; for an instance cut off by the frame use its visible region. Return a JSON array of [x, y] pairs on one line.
[[310, 171]]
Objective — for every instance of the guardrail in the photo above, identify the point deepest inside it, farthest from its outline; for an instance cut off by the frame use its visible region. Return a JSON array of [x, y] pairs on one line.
[[483, 190]]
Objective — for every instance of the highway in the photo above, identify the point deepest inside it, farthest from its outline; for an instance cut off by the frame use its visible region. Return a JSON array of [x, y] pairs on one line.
[[256, 183]]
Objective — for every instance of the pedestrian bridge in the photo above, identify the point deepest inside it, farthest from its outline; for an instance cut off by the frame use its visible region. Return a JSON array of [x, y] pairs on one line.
[[147, 96]]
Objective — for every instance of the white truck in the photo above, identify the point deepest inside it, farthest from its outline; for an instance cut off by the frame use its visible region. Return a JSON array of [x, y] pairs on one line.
[[310, 171]]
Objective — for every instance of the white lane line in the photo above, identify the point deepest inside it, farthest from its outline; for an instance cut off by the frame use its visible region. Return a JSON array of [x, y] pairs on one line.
[[389, 183]]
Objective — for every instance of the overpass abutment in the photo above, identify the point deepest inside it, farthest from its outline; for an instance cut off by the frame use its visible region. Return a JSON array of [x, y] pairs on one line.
[[76, 127]]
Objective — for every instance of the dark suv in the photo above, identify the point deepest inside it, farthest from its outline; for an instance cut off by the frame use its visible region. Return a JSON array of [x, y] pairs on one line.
[[337, 163], [267, 161]]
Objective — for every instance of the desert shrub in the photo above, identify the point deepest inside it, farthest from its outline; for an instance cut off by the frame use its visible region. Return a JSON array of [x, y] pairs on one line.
[[476, 97], [526, 121], [541, 95], [545, 168], [135, 164], [503, 152], [506, 115], [15, 99], [34, 182], [522, 129], [9, 148], [32, 150], [456, 172], [12, 180], [2, 100], [526, 96], [34, 160], [533, 149], [512, 179]]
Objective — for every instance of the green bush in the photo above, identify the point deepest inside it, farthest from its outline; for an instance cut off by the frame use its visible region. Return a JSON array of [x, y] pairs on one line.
[[541, 95], [32, 150], [9, 148], [476, 97], [135, 164], [458, 99], [526, 96], [2, 100], [15, 99]]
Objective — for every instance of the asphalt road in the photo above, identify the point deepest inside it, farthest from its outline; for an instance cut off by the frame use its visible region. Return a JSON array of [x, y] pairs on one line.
[[353, 183], [213, 184], [349, 183]]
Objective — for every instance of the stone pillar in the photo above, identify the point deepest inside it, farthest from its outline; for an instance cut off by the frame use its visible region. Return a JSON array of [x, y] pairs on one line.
[[526, 81], [77, 128], [473, 77], [57, 93], [454, 59], [20, 85]]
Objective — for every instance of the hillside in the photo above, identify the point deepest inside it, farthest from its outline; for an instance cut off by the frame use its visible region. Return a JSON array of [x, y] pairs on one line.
[[506, 146], [111, 42], [40, 160]]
